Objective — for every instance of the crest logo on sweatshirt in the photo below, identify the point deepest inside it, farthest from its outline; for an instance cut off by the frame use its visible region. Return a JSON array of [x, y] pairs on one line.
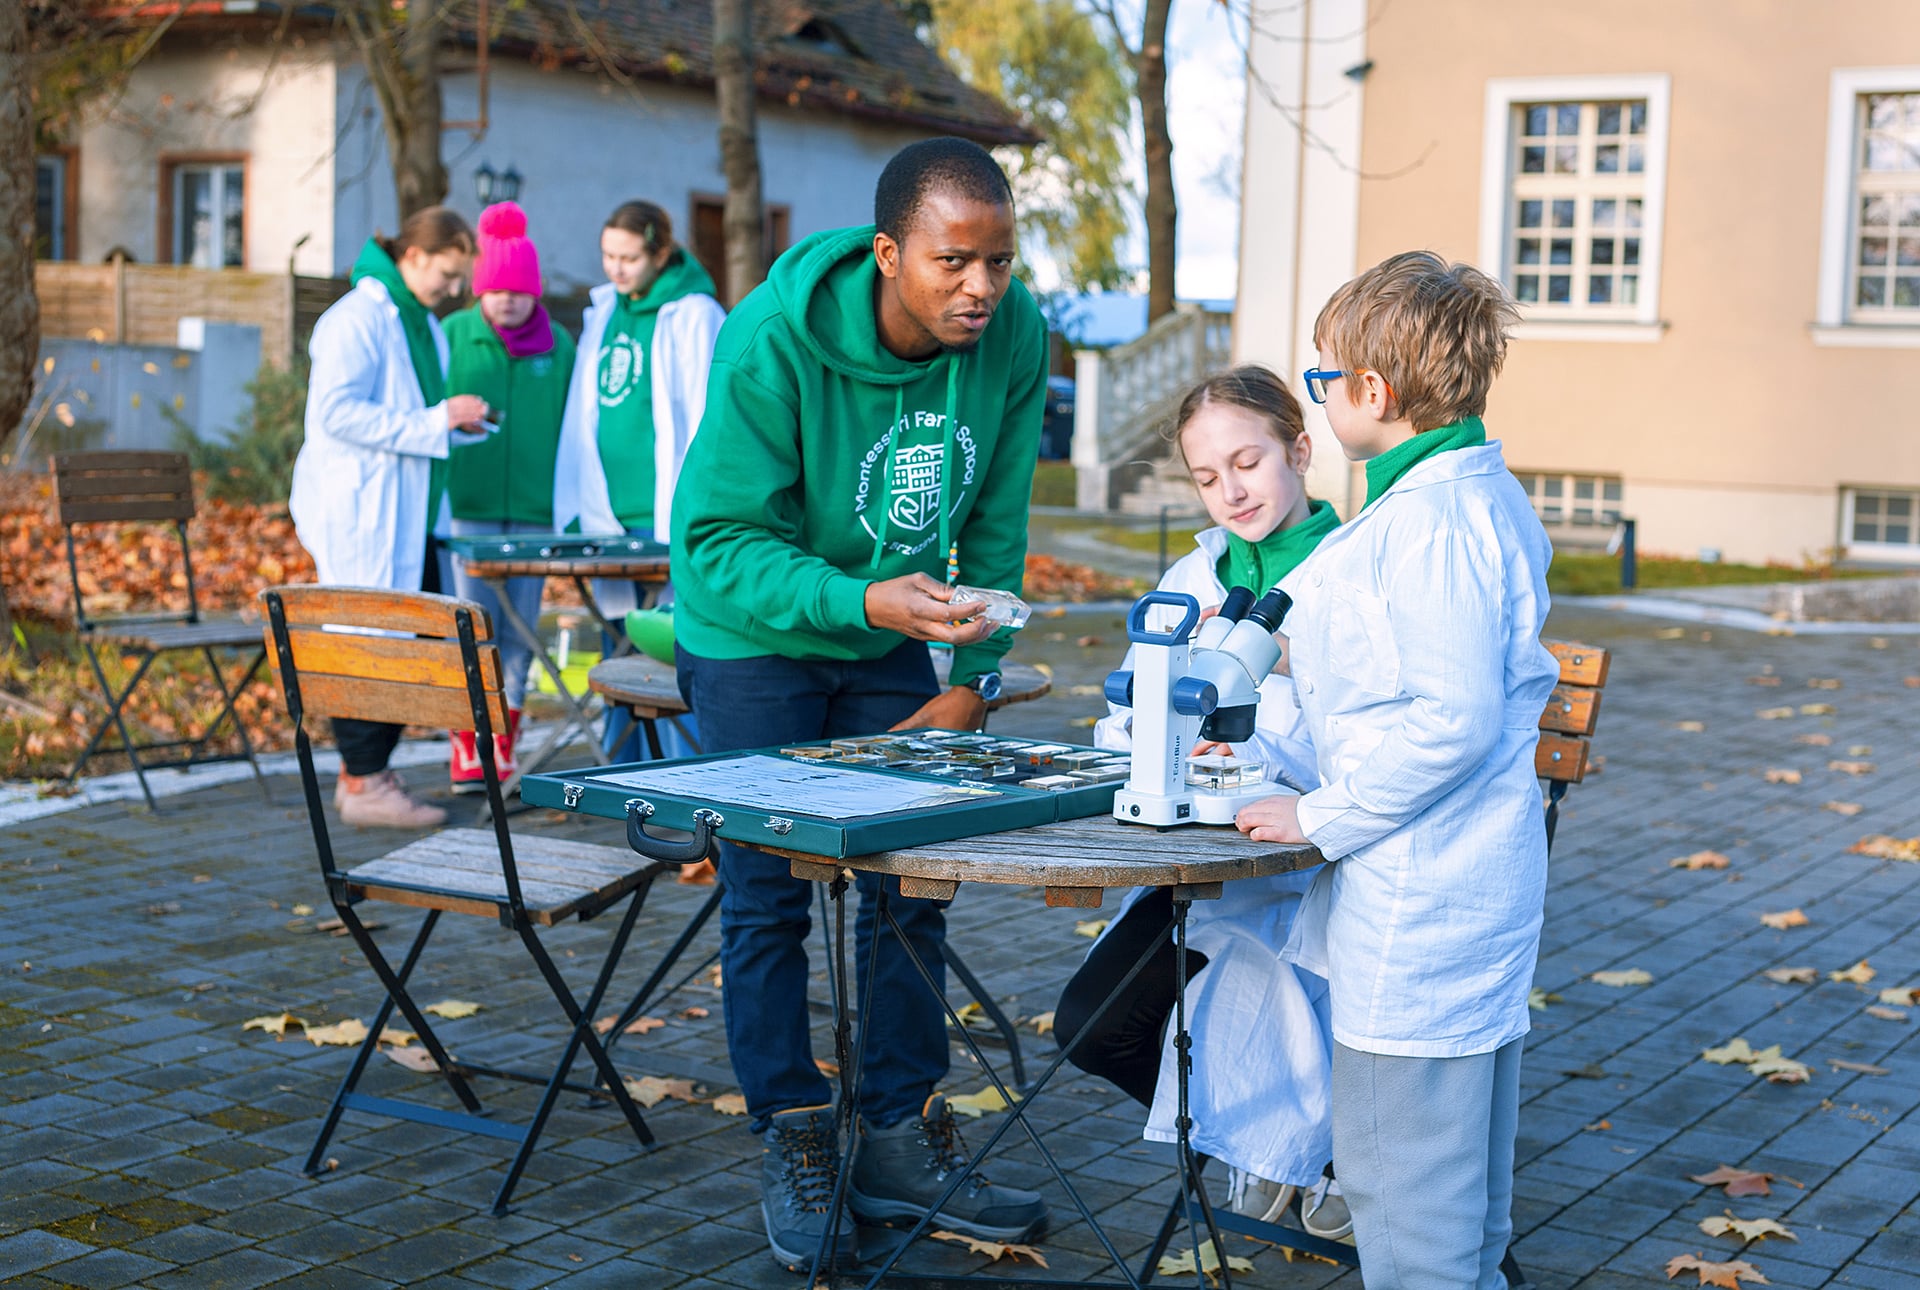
[[622, 362], [914, 483]]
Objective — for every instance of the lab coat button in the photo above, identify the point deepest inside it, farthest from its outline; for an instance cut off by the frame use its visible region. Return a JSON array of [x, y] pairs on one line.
[[1318, 579]]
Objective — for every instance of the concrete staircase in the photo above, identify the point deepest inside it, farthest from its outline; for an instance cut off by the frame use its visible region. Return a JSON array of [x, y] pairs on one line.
[[1124, 400]]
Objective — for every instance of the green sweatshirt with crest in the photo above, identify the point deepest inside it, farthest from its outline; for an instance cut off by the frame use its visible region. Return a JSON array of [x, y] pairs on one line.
[[824, 463]]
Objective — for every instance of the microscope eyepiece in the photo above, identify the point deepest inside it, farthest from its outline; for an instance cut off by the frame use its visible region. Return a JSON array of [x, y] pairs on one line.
[[1239, 600], [1272, 609]]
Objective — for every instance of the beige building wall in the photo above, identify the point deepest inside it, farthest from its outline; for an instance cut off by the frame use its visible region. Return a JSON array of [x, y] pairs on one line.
[[1735, 421], [216, 100]]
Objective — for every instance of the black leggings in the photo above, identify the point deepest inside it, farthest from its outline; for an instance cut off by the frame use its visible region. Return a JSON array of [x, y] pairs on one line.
[[366, 746], [1123, 1044]]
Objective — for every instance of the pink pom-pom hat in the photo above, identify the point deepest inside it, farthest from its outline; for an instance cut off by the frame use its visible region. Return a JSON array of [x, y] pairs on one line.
[[508, 260]]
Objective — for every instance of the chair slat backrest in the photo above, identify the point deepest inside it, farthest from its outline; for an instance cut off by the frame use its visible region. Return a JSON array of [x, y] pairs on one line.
[[392, 656], [1572, 712], [96, 486]]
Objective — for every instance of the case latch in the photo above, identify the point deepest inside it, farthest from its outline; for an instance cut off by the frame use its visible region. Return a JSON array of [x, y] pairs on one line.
[[780, 825], [571, 794]]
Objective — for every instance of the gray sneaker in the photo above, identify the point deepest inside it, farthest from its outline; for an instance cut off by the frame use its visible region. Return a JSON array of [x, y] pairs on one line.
[[1323, 1211], [798, 1162], [899, 1172]]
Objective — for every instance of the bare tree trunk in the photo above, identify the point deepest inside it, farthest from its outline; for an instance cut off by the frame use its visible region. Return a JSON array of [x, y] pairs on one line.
[[744, 220], [401, 51], [1163, 214], [19, 306]]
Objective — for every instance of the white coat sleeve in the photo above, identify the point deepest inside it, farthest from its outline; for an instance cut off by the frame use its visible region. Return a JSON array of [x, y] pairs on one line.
[[1114, 731], [1446, 612], [695, 329], [343, 393]]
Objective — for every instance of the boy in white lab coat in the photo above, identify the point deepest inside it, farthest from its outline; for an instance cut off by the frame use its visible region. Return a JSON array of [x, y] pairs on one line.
[[1414, 645]]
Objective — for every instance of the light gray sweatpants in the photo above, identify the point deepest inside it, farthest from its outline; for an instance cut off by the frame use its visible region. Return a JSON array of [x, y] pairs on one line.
[[1423, 1147]]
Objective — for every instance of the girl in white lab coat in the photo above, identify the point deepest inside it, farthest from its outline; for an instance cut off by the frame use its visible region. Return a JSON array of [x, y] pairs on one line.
[[1261, 1047], [639, 389], [1414, 647], [364, 485]]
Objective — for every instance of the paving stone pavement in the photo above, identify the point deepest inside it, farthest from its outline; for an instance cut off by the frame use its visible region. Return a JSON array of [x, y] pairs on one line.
[[146, 1139]]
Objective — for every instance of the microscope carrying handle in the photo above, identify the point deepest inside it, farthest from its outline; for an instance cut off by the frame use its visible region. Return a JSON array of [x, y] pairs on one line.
[[1137, 631]]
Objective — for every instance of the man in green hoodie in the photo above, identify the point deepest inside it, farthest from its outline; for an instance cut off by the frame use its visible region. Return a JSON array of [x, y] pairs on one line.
[[873, 415]]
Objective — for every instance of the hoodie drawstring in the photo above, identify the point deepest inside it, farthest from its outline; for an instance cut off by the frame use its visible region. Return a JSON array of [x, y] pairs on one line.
[[947, 552], [885, 502]]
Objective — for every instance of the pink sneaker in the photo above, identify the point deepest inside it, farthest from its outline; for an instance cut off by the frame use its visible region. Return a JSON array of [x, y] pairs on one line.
[[382, 801]]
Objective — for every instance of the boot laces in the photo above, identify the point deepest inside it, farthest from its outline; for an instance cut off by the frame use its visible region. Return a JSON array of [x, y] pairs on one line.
[[809, 1164], [942, 1138]]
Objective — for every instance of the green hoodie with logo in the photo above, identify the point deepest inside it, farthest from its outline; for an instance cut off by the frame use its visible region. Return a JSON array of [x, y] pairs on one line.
[[824, 463], [625, 384]]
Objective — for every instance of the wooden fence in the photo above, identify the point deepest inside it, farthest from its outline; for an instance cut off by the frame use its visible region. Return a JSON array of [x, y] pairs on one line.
[[142, 304]]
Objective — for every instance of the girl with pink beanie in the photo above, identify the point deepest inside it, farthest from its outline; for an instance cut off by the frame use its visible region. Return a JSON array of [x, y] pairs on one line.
[[507, 351]]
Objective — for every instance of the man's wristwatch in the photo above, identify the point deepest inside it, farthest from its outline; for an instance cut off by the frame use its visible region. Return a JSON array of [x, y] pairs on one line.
[[987, 685]]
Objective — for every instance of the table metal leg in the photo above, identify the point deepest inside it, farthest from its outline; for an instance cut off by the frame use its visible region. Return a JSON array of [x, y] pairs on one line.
[[580, 713]]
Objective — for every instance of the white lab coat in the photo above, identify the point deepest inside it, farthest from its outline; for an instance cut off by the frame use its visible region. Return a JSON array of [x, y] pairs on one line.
[[1417, 662], [681, 351], [360, 483], [1262, 1054]]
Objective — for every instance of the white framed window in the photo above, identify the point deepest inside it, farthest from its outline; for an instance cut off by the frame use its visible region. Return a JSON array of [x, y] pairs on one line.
[[1880, 522], [1563, 500], [210, 214], [1573, 198], [1870, 227], [50, 208]]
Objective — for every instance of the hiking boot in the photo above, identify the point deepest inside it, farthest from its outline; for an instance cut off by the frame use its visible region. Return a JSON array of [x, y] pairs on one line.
[[1261, 1199], [899, 1172], [1323, 1212], [381, 801], [464, 771], [798, 1163]]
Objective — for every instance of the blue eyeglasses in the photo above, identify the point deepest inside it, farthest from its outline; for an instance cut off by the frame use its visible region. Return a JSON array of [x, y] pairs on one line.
[[1317, 381]]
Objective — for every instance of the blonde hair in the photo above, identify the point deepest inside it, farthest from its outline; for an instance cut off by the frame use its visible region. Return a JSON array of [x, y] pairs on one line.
[[1436, 332], [1250, 386]]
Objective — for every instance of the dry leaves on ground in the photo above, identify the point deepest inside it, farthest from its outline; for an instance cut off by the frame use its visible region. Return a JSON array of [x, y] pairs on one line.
[[1774, 714], [650, 1090], [1813, 741], [1042, 1024], [1181, 1264], [1781, 776], [1090, 927], [730, 1104], [1691, 727], [995, 1250], [1901, 996], [1728, 1275], [452, 1009], [276, 1025], [1816, 709], [975, 1105], [1538, 999], [414, 1059], [1700, 860], [1823, 683], [692, 1014], [1842, 808], [1860, 973], [1738, 1182], [638, 1026], [1882, 847], [1885, 1013], [1624, 977], [1745, 1229], [1763, 680], [1664, 634], [1847, 767], [1765, 1063], [1786, 918], [340, 1033], [1792, 975], [1858, 1068]]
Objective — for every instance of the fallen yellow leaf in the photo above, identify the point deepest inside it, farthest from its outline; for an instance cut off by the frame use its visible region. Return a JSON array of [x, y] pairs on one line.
[[1813, 741], [1727, 1054], [1769, 1065], [302, 911], [1725, 1275], [1843, 808], [650, 1090], [1860, 973], [1090, 927], [452, 1009], [1746, 1229], [693, 1014], [1182, 1264], [1816, 709], [1859, 750], [1784, 919], [1885, 1014], [398, 1038], [1882, 847], [1774, 714], [1792, 975], [1538, 999], [275, 1026], [1823, 683], [341, 1033], [1783, 777], [643, 1025], [730, 1104], [1691, 727], [1664, 634], [995, 1250], [1904, 996], [1738, 1182], [1763, 680], [1626, 977], [975, 1105], [1043, 1024], [1845, 767], [1858, 1068], [1700, 860], [414, 1059]]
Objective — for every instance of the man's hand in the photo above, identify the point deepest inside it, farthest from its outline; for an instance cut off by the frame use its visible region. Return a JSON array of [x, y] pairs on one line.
[[918, 607], [959, 708], [1272, 819]]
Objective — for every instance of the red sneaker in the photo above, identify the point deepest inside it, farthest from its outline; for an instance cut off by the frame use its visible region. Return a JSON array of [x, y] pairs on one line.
[[467, 774]]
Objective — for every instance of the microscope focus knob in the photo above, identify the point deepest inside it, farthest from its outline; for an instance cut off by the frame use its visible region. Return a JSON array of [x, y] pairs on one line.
[[1195, 696], [1119, 688]]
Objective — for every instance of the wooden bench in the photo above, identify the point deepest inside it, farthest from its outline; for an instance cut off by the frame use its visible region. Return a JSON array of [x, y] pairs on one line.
[[1564, 754]]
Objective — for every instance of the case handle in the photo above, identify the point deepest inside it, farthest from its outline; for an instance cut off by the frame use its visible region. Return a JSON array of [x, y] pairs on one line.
[[706, 823]]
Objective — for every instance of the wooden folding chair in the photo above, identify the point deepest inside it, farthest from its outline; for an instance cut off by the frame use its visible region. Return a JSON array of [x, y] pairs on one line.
[[116, 487], [432, 661]]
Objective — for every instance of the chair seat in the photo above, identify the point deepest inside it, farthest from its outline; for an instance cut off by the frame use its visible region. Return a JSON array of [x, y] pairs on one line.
[[215, 633], [459, 870], [645, 686]]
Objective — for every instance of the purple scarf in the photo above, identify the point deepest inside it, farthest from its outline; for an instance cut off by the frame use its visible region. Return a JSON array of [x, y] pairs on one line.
[[534, 336]]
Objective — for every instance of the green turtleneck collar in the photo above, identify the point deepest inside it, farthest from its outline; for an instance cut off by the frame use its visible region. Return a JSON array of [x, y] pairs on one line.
[[1384, 471], [1257, 566]]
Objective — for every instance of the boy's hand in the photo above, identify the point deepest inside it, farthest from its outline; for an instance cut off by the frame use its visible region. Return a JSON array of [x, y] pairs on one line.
[[1272, 819], [916, 606], [1283, 666], [958, 708]]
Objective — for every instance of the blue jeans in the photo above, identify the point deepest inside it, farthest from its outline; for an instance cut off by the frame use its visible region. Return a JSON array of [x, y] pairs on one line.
[[516, 656], [765, 912]]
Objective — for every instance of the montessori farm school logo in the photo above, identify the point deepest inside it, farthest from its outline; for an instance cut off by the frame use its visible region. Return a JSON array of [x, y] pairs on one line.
[[621, 363], [912, 487]]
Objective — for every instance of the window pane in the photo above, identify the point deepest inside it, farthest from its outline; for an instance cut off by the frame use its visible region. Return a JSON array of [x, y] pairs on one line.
[[1537, 120], [1600, 289], [49, 185], [1529, 252], [1601, 250], [1632, 210], [1556, 487], [1606, 159], [1605, 211], [1630, 250], [1561, 250], [1583, 489], [1563, 213], [1910, 210], [1876, 208], [1897, 534], [1526, 289], [1906, 293], [1864, 531], [1636, 158], [1530, 212], [1559, 289], [1608, 121], [1873, 250], [1899, 506], [1883, 111], [1611, 491], [1872, 291], [1629, 289], [1566, 158], [1909, 252], [1637, 118], [196, 219], [1533, 160], [1568, 119], [233, 231], [1867, 504]]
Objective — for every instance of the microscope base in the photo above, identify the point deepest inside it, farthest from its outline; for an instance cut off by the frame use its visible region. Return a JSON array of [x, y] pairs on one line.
[[1193, 807]]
